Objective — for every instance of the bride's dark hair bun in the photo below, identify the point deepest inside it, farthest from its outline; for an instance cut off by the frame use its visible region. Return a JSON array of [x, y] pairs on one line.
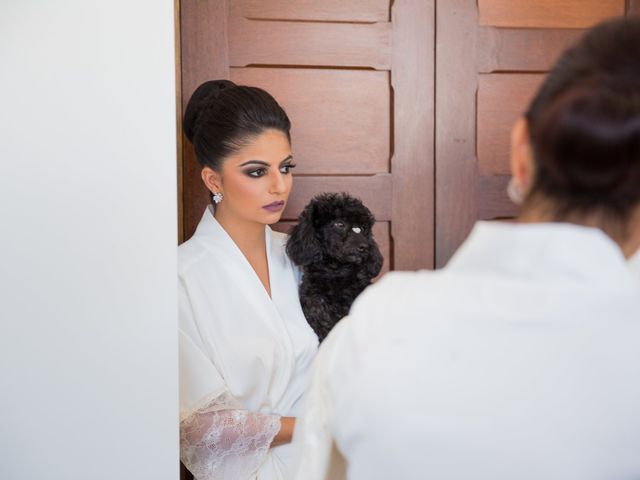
[[200, 100], [222, 117], [584, 124]]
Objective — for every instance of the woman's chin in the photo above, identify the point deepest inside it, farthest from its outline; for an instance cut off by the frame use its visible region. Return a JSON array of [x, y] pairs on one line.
[[269, 218], [273, 220]]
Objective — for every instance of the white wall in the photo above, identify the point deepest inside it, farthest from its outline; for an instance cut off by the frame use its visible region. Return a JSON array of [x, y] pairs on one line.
[[88, 357]]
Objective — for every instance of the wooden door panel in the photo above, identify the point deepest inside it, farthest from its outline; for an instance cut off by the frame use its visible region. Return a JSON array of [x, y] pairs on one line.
[[203, 56], [374, 191], [356, 78], [501, 100], [412, 164], [547, 13], [531, 50], [325, 10], [493, 202], [253, 42], [340, 118], [501, 57]]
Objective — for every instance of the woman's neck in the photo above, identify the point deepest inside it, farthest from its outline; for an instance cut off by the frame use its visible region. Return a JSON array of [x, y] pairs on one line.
[[248, 236], [625, 234]]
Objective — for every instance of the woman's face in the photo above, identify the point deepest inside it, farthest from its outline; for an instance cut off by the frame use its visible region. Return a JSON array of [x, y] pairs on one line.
[[256, 180]]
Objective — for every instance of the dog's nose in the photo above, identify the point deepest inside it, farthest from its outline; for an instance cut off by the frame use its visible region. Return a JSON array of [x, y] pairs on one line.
[[362, 248]]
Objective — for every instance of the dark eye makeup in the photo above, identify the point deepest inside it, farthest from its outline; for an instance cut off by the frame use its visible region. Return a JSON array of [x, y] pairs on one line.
[[257, 172], [287, 168]]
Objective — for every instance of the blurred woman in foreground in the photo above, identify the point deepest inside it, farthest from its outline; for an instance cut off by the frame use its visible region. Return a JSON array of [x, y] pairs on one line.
[[521, 358]]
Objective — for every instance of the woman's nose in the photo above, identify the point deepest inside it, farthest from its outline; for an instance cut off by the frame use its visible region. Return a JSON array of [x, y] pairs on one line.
[[278, 184]]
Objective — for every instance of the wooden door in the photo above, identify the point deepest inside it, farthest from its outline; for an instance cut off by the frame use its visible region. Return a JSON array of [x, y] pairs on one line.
[[356, 78], [491, 55]]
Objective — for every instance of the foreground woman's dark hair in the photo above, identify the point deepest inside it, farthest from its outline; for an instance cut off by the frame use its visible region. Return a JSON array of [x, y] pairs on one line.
[[584, 127]]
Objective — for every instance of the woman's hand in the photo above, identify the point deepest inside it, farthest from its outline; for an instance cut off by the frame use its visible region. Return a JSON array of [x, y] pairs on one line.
[[286, 431]]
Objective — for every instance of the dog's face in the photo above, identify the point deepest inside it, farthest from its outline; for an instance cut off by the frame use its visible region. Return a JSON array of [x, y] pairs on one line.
[[335, 226], [346, 235]]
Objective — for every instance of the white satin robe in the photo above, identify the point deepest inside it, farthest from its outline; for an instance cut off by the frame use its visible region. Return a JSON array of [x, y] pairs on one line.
[[244, 356], [634, 263], [519, 360]]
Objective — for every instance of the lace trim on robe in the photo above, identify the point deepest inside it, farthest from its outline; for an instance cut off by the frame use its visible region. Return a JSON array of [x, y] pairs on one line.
[[223, 441]]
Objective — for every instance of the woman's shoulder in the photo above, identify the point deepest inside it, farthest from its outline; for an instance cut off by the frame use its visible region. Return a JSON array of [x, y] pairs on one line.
[[395, 292], [396, 284], [190, 253]]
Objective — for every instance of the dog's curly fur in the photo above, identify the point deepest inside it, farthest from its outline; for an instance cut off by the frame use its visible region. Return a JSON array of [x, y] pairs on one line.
[[336, 260]]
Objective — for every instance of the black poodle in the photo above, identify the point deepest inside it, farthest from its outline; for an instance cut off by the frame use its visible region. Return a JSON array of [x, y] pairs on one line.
[[335, 249]]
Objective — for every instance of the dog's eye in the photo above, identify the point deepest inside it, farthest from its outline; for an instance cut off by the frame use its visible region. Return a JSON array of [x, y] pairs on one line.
[[338, 224], [356, 229]]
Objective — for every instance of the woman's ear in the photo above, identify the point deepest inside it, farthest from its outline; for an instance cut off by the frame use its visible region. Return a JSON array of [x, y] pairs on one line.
[[212, 180], [522, 166]]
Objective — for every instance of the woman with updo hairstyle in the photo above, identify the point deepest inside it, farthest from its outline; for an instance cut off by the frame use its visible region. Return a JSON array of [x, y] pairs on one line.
[[245, 346], [521, 358]]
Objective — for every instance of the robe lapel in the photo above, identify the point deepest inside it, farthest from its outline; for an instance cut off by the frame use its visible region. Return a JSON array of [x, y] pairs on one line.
[[220, 243]]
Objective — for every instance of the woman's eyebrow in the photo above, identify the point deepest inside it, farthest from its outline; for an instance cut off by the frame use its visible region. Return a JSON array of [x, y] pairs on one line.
[[257, 162], [261, 162]]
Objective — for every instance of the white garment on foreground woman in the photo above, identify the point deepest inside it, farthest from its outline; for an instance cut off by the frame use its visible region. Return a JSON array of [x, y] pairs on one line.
[[520, 359], [634, 263], [244, 356]]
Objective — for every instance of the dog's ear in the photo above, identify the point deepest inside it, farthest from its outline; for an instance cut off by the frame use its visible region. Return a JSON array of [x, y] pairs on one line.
[[303, 245], [374, 260]]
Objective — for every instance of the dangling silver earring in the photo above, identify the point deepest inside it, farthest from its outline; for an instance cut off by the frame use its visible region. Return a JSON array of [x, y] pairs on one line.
[[514, 191], [217, 197]]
